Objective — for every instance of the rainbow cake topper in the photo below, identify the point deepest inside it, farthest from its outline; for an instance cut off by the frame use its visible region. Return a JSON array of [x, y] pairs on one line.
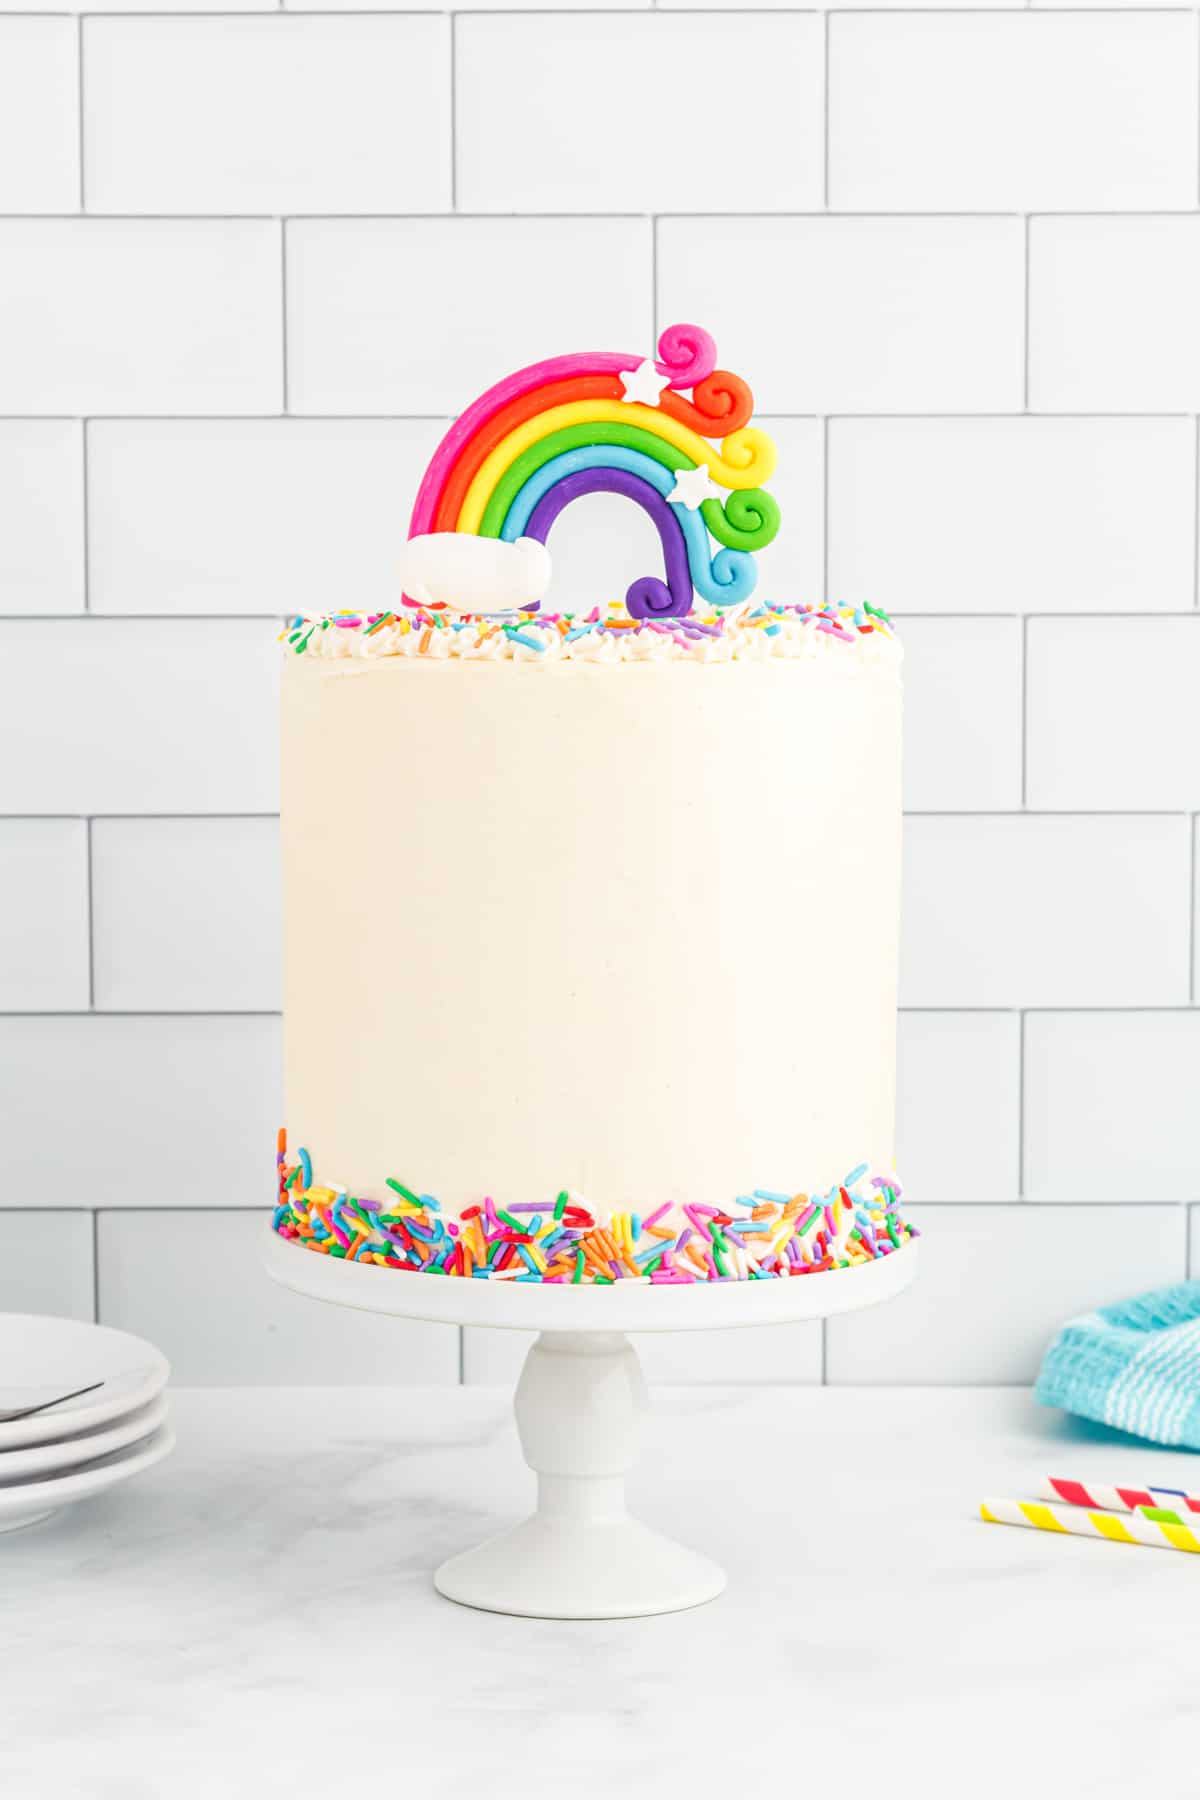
[[597, 422]]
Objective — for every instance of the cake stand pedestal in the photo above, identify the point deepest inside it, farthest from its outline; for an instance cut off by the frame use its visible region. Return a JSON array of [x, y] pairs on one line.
[[579, 1405]]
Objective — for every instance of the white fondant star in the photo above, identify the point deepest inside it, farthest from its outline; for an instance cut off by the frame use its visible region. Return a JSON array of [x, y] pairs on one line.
[[644, 383], [692, 486]]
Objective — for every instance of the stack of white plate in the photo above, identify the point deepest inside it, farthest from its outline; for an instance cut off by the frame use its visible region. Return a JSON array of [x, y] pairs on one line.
[[80, 1446]]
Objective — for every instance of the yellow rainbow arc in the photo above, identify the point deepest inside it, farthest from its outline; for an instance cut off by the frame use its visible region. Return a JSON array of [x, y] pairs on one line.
[[746, 459]]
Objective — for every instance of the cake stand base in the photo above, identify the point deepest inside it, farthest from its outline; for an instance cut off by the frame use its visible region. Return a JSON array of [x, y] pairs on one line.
[[579, 1404], [546, 1569]]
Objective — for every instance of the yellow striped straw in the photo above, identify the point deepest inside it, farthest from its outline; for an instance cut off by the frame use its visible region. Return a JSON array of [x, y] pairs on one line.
[[1154, 1527]]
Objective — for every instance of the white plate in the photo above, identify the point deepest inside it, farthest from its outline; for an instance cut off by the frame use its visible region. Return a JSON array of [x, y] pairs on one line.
[[42, 1357], [26, 1501], [68, 1453]]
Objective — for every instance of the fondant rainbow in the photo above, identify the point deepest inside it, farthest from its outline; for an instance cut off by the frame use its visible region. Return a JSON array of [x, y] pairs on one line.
[[566, 427]]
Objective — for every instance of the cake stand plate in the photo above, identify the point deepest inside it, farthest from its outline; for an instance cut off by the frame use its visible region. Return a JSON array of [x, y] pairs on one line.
[[579, 1403]]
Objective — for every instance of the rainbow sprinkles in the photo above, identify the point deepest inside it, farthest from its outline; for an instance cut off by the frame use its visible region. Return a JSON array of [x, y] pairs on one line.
[[611, 636], [761, 1235], [604, 422]]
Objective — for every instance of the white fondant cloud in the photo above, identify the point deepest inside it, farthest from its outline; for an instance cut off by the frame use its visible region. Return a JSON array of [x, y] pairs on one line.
[[474, 574]]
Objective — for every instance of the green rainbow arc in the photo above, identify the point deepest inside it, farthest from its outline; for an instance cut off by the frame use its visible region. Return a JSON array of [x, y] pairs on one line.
[[747, 520]]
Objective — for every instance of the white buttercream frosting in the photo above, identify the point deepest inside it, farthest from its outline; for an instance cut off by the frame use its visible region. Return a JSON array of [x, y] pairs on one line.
[[635, 938]]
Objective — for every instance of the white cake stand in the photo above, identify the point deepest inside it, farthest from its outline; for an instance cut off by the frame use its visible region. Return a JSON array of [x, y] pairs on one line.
[[579, 1403]]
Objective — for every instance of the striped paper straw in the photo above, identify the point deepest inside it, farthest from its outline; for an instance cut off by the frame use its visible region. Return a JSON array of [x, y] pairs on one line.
[[1116, 1499], [1155, 1533]]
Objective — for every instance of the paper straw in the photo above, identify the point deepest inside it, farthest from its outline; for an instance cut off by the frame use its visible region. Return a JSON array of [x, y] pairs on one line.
[[1116, 1499], [1153, 1533]]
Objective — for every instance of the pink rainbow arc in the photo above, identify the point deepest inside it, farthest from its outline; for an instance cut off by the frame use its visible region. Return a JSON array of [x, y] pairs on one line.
[[686, 354]]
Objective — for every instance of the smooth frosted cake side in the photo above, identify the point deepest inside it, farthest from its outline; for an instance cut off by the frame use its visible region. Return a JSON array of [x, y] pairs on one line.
[[591, 943]]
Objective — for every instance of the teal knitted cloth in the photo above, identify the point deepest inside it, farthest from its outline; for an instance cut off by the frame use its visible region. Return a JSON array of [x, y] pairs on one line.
[[1135, 1366]]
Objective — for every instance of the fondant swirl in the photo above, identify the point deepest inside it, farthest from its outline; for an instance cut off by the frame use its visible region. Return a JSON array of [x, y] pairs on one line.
[[747, 520], [747, 457], [720, 404], [686, 354]]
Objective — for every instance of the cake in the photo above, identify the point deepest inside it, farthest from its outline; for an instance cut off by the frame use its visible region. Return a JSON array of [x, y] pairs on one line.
[[591, 917]]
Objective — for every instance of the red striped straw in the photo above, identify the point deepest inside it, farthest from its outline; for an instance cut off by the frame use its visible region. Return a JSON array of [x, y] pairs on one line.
[[1116, 1499]]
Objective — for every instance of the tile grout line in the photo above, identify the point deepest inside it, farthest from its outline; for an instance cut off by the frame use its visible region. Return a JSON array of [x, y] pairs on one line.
[[80, 112], [950, 812], [970, 1009], [283, 325], [825, 117], [1047, 812], [143, 618], [872, 416], [1025, 322], [769, 216], [825, 434], [86, 512], [1064, 1008], [187, 817], [654, 280], [268, 8], [160, 1012], [1024, 678], [91, 920], [453, 112], [1021, 1017], [1194, 902]]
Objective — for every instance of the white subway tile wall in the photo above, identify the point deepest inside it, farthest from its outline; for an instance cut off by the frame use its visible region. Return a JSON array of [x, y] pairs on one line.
[[47, 1263], [1057, 111], [253, 259], [411, 315], [193, 1283], [1111, 1106], [555, 150], [186, 915], [44, 960], [310, 115], [1131, 737], [858, 315], [1060, 515], [41, 516], [140, 316], [296, 513], [1112, 310], [995, 1281], [958, 1124], [139, 1109], [962, 702], [1046, 910], [39, 115]]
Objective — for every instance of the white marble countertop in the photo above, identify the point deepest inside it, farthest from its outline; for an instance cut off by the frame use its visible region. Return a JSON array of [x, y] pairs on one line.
[[256, 1616]]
